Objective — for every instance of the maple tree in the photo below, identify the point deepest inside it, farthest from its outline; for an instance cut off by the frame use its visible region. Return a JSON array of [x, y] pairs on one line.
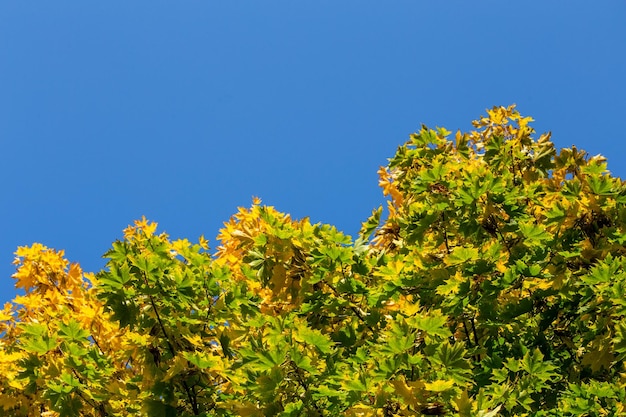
[[494, 286]]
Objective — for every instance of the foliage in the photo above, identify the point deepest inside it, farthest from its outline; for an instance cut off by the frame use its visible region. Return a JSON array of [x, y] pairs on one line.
[[496, 286]]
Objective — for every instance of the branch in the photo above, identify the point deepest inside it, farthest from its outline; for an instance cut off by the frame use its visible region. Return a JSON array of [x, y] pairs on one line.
[[304, 385], [445, 232], [192, 399]]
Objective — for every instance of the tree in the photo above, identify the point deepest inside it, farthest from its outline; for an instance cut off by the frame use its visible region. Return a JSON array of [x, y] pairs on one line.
[[495, 286]]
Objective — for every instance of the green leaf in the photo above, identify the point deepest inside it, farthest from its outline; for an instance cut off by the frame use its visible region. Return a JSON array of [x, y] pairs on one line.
[[452, 357], [201, 360], [302, 361], [372, 222], [354, 385], [461, 255], [293, 409], [601, 185], [325, 391], [533, 233], [433, 323], [70, 380], [398, 345], [119, 252], [534, 365], [435, 173], [313, 338], [110, 281], [39, 344], [72, 331]]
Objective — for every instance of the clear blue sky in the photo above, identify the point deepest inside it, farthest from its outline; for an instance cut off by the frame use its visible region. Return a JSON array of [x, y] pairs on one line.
[[182, 111]]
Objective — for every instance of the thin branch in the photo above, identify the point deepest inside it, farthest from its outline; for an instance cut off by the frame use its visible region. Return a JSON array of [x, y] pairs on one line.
[[158, 317], [445, 232], [304, 385], [192, 400], [474, 331], [469, 338]]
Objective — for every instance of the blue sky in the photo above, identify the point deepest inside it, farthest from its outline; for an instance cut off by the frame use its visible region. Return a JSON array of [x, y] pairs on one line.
[[182, 111]]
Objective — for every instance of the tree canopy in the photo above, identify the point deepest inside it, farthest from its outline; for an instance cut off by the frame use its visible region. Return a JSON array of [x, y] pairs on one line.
[[494, 284]]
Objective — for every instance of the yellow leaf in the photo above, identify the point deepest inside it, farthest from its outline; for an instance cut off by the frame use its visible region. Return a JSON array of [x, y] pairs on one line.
[[18, 384], [439, 385], [412, 306], [138, 339], [501, 264], [361, 410], [194, 339], [7, 401], [175, 367], [411, 393], [74, 275], [279, 279], [6, 313], [180, 245], [464, 405], [386, 182], [537, 284], [599, 355]]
